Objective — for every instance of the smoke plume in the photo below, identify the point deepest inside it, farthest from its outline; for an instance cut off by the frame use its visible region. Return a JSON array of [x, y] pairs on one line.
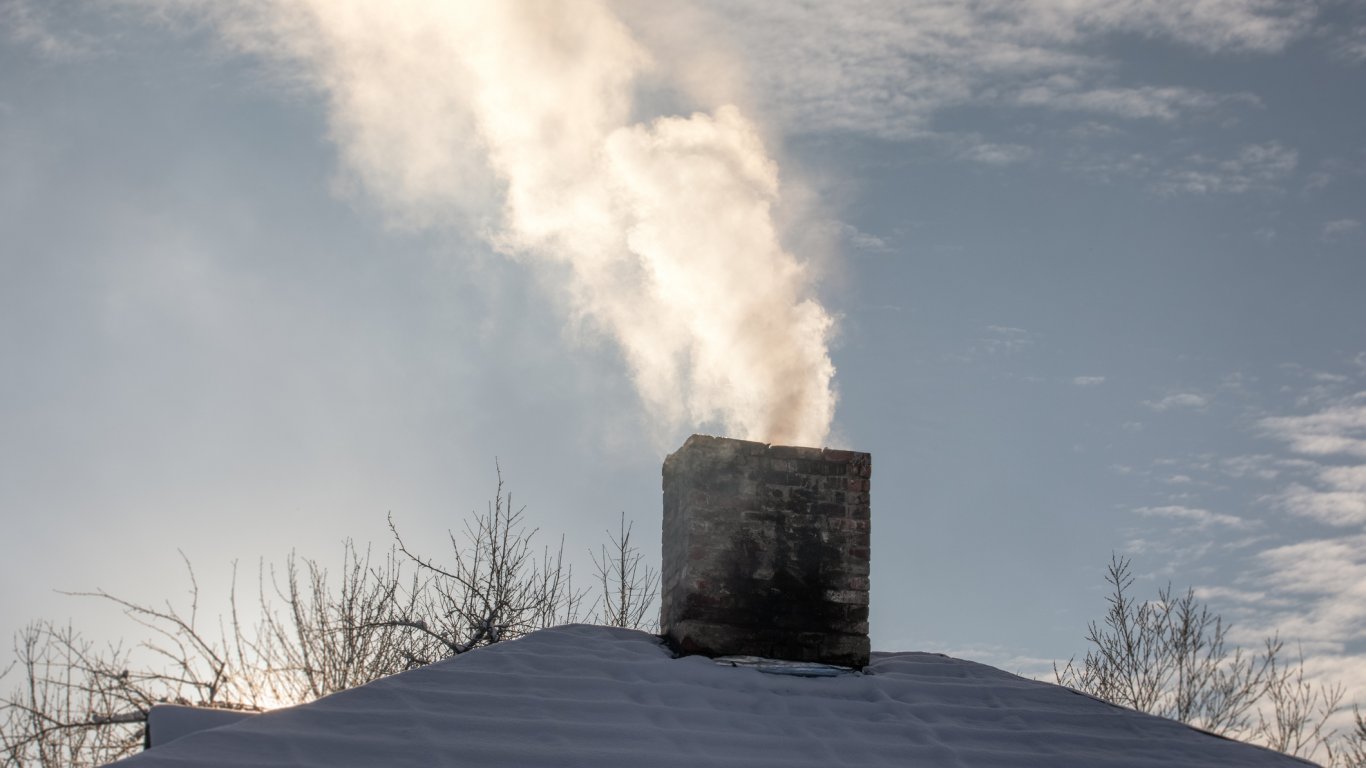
[[664, 227]]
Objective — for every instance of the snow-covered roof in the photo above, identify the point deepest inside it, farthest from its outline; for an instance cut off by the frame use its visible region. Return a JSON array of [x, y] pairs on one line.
[[604, 697]]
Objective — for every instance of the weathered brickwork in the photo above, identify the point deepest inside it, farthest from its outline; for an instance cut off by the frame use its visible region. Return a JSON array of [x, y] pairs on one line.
[[766, 551]]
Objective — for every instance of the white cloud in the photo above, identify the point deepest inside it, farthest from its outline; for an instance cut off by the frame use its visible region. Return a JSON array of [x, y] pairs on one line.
[[1258, 466], [999, 342], [1201, 519], [1345, 478], [1337, 428], [1351, 44], [1317, 180], [37, 27], [1163, 103], [1214, 25], [1311, 593], [1254, 167], [1178, 400], [863, 241], [1339, 499], [1339, 228], [1229, 594], [1329, 576], [1088, 381], [1005, 339], [886, 67], [988, 153], [1340, 508]]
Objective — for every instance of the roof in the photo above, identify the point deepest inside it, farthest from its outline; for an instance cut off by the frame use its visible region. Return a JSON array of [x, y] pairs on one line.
[[603, 697]]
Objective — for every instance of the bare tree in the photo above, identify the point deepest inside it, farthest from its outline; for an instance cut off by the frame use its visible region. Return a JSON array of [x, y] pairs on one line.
[[67, 707], [497, 587], [1294, 718], [1350, 751], [77, 704], [1170, 657], [328, 639], [629, 586]]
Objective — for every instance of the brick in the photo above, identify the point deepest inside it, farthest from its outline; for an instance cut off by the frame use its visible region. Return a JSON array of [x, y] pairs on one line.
[[777, 538]]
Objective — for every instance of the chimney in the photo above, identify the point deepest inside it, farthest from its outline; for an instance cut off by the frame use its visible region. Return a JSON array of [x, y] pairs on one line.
[[766, 551]]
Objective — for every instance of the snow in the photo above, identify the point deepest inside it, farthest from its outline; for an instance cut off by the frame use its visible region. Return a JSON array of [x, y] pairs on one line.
[[604, 697], [168, 722]]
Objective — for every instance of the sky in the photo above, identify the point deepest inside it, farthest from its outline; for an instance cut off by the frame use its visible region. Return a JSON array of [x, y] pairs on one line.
[[1083, 278]]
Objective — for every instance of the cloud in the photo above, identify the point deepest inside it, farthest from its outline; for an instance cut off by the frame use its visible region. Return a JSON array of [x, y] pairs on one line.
[[1329, 578], [1200, 519], [1351, 44], [1339, 498], [1006, 339], [987, 153], [1178, 400], [1339, 229], [1310, 590], [886, 67], [1088, 381], [1260, 466], [863, 241], [1254, 167], [1338, 428], [35, 26], [1339, 508], [1162, 103], [1230, 595]]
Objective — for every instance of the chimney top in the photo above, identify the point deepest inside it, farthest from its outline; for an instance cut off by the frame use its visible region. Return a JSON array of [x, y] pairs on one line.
[[766, 551]]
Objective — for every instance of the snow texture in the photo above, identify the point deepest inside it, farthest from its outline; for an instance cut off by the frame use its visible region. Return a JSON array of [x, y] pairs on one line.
[[608, 698], [168, 722]]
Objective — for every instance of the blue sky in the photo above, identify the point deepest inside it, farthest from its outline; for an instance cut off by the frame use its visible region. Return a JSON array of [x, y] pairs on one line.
[[1095, 273]]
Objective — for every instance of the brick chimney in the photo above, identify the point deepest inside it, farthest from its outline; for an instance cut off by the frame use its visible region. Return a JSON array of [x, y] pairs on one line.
[[766, 551]]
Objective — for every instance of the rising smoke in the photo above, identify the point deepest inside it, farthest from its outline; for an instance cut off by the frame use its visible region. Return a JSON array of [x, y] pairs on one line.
[[665, 227]]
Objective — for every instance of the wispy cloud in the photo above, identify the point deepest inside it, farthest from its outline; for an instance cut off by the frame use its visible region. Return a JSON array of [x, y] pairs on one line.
[[1255, 166], [1088, 381], [1005, 339], [1162, 103], [1198, 518], [37, 26], [988, 153], [1351, 43], [1338, 428], [1261, 466], [1178, 400], [1329, 577], [998, 342], [863, 241], [1309, 589], [887, 67], [1320, 584], [1339, 229], [1333, 507]]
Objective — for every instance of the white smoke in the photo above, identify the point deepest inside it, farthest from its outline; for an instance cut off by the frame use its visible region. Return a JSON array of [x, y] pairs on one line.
[[666, 228]]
